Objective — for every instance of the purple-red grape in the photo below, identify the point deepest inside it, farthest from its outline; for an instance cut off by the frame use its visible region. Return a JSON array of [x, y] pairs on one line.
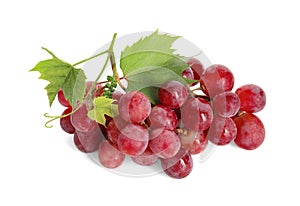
[[109, 156], [81, 121], [162, 116], [164, 143], [172, 94], [88, 141], [222, 131], [133, 140], [134, 107], [65, 122], [252, 97], [146, 159], [114, 127], [226, 104], [196, 67], [216, 79], [196, 114], [250, 131], [61, 99], [194, 142], [179, 166]]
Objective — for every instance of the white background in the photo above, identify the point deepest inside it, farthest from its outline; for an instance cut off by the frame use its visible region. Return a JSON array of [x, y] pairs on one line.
[[257, 40]]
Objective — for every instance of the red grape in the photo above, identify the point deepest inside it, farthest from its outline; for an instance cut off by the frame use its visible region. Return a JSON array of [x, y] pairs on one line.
[[134, 107], [222, 131], [65, 122], [196, 67], [109, 156], [133, 140], [252, 97], [114, 127], [194, 142], [172, 94], [250, 131], [146, 159], [81, 121], [226, 104], [61, 99], [88, 141], [164, 143], [196, 114], [179, 166], [216, 79], [162, 116], [188, 73]]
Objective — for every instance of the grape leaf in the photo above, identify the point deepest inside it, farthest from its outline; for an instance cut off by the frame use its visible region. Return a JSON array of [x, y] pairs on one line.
[[62, 75], [103, 106], [147, 51], [150, 62]]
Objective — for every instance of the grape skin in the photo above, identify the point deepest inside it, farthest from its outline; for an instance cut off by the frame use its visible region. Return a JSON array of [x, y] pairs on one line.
[[197, 114], [114, 127], [172, 94], [222, 131], [162, 116], [216, 79], [65, 122], [61, 99], [134, 107], [252, 97], [133, 140], [146, 159], [88, 141], [250, 131], [194, 142], [109, 156], [196, 67], [81, 121], [226, 104], [164, 143], [179, 166]]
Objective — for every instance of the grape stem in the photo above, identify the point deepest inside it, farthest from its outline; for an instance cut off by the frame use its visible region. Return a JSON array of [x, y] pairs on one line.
[[92, 57], [114, 68], [89, 94]]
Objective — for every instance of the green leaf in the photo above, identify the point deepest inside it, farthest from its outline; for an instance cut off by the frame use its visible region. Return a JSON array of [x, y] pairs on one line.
[[150, 62], [62, 75], [103, 106], [148, 51]]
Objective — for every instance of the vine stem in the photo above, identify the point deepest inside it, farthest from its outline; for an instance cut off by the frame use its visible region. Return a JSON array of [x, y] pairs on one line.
[[89, 94], [114, 68], [92, 57]]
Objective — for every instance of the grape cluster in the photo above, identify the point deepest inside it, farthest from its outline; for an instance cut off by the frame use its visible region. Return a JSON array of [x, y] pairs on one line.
[[180, 125]]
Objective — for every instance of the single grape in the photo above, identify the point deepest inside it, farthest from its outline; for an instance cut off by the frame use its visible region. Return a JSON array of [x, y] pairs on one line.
[[250, 131], [81, 121], [192, 141], [164, 143], [252, 97], [196, 114], [222, 131], [146, 159], [88, 141], [179, 166], [109, 156], [172, 94], [226, 104], [162, 116], [114, 127], [65, 122], [216, 79], [133, 140], [196, 67], [61, 99], [134, 107], [188, 73]]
